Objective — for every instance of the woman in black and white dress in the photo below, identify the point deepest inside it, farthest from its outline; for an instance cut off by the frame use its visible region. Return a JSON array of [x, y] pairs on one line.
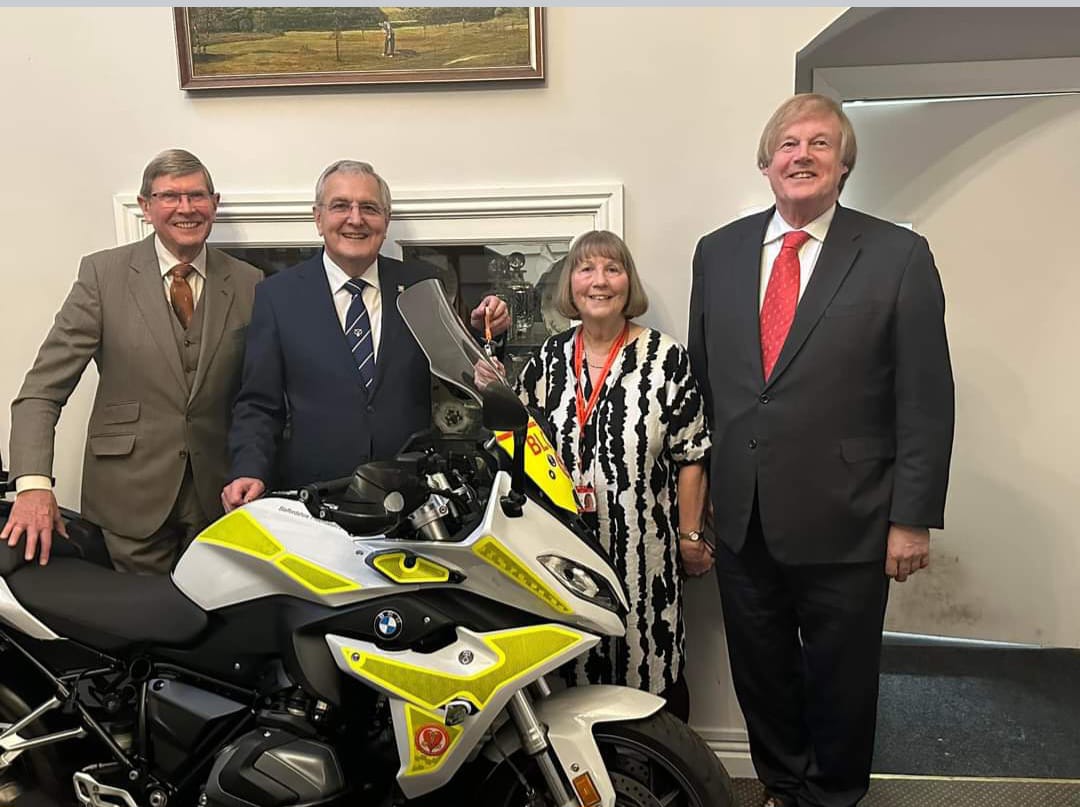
[[629, 423]]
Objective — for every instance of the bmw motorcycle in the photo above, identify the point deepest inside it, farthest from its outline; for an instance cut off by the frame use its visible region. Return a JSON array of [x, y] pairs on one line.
[[384, 639]]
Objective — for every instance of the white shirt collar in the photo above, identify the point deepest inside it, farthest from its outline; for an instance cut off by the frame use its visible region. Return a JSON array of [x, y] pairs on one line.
[[166, 260], [817, 229], [338, 277]]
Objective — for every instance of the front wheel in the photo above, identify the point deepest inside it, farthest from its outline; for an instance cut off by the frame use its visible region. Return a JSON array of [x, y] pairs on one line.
[[657, 761]]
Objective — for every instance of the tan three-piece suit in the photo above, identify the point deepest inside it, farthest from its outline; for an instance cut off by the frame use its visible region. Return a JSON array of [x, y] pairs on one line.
[[161, 413]]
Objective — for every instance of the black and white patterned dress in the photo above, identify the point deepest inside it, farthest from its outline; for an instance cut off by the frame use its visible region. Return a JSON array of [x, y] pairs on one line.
[[648, 422]]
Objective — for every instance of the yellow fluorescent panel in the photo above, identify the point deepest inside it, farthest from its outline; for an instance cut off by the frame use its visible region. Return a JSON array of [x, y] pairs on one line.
[[490, 550], [518, 653], [240, 532], [392, 565]]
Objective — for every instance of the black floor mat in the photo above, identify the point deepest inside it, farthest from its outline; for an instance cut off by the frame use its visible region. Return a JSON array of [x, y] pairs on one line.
[[978, 711]]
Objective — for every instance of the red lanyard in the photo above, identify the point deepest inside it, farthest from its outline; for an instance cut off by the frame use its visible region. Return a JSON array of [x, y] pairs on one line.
[[584, 410]]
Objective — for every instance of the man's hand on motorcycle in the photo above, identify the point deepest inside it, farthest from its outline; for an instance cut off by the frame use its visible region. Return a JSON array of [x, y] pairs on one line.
[[492, 312], [36, 515], [697, 557], [240, 491]]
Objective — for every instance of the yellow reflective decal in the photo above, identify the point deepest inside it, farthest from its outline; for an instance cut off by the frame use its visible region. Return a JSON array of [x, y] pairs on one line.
[[313, 576], [490, 550], [430, 740], [518, 653], [240, 532], [392, 565], [544, 466]]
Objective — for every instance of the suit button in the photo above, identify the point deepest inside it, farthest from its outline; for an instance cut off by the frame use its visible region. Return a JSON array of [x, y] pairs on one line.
[[764, 399], [752, 444], [183, 453], [371, 409], [187, 343]]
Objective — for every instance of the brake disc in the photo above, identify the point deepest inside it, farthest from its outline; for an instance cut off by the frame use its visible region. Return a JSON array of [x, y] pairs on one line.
[[629, 792]]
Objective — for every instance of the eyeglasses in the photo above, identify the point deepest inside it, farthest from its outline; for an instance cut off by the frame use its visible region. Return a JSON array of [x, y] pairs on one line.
[[340, 207], [172, 198]]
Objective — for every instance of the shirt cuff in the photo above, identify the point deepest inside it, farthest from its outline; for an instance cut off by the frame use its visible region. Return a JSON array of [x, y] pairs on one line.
[[32, 482]]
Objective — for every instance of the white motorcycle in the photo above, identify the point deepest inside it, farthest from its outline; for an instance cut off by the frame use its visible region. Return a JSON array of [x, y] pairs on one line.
[[373, 641]]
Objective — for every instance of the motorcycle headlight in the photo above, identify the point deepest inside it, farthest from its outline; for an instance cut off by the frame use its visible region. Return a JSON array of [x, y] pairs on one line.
[[582, 581]]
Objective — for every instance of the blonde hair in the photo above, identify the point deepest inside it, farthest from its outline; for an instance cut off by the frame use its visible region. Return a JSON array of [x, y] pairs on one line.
[[604, 244], [801, 106]]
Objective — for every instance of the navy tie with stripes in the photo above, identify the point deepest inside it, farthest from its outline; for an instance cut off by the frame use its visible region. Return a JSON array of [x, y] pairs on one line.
[[358, 333]]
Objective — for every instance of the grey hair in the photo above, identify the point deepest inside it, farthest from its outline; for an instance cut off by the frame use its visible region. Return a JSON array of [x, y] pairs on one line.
[[353, 167], [172, 163]]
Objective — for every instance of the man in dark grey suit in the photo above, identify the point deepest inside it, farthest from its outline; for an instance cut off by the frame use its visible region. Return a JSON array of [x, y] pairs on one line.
[[818, 335], [164, 320]]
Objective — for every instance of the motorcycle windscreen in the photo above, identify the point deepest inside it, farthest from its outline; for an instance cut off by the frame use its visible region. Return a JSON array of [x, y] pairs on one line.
[[454, 356]]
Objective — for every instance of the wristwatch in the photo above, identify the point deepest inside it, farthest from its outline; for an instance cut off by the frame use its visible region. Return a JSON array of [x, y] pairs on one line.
[[694, 536]]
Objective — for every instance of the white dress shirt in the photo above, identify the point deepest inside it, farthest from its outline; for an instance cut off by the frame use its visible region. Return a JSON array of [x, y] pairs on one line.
[[808, 253], [372, 296]]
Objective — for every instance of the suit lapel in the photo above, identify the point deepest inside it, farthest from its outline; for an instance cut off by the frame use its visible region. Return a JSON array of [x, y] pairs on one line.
[[325, 327], [837, 256], [747, 263], [148, 292], [392, 328], [217, 296]]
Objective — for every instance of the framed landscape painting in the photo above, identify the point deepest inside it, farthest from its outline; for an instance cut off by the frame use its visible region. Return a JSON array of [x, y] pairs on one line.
[[222, 47]]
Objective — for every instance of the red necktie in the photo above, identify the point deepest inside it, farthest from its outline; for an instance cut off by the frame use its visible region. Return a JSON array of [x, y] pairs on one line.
[[183, 302], [781, 297]]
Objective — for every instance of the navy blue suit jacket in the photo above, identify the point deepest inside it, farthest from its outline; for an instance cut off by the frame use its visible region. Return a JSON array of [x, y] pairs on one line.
[[298, 371], [853, 430]]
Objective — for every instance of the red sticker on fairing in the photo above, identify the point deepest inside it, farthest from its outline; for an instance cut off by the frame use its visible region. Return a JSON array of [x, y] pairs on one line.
[[432, 740]]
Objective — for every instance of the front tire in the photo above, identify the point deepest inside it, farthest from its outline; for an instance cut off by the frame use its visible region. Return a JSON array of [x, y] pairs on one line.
[[657, 760]]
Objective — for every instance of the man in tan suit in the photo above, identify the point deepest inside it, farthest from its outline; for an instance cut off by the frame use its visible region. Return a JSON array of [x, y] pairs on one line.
[[164, 319]]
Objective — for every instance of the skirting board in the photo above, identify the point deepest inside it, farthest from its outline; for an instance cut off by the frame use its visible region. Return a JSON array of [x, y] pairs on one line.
[[732, 749]]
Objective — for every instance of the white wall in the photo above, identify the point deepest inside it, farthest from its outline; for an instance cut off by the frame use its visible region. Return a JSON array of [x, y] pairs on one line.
[[668, 102], [995, 187]]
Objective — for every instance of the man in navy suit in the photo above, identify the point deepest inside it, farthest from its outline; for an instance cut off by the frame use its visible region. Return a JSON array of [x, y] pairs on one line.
[[818, 335], [328, 352]]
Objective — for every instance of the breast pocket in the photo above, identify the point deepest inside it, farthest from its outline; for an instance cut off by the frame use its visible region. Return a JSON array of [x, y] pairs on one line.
[[852, 310], [861, 449]]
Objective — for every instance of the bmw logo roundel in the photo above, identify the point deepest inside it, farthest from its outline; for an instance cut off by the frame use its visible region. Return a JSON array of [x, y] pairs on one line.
[[388, 623]]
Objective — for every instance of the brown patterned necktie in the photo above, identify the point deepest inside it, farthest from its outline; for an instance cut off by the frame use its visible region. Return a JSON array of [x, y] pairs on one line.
[[183, 302]]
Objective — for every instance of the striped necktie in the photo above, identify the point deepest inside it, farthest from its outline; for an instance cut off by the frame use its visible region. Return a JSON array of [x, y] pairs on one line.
[[358, 332]]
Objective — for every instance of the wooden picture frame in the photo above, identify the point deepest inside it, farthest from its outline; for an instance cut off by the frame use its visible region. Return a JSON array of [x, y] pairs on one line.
[[241, 47]]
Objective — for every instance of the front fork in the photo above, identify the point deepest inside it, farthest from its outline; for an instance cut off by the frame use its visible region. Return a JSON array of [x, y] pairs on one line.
[[563, 722], [534, 741]]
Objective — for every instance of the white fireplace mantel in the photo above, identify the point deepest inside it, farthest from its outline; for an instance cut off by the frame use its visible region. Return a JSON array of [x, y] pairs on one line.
[[421, 216]]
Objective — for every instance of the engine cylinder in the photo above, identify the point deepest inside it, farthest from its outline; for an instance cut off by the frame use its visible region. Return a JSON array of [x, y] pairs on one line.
[[274, 768]]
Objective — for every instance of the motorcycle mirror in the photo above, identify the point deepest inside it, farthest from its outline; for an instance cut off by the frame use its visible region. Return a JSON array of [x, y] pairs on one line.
[[502, 411]]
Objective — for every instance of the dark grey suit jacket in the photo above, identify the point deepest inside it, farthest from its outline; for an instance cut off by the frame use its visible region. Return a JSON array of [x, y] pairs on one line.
[[854, 429]]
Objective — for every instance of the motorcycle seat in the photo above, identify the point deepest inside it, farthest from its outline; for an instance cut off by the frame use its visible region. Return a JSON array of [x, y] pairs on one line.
[[84, 541], [105, 609]]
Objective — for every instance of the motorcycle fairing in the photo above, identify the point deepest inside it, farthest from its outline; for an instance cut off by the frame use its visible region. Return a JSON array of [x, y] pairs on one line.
[[497, 560], [481, 669], [543, 466], [491, 551]]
